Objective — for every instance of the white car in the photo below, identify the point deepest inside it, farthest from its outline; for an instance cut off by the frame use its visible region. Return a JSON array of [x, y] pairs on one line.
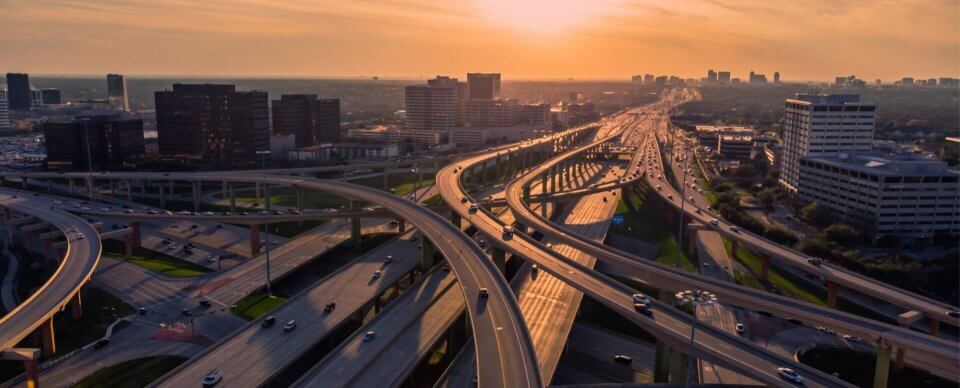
[[370, 335], [790, 375], [212, 378], [741, 328], [641, 298], [377, 274], [290, 326]]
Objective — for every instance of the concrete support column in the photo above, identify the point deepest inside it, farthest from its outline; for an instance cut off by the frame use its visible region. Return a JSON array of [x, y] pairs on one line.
[[254, 240], [113, 189], [832, 294], [901, 356], [934, 326], [195, 186], [143, 190], [135, 236], [882, 371], [233, 197], [499, 258], [73, 189], [401, 225], [76, 308], [171, 187], [386, 179], [89, 187], [48, 341], [455, 220], [163, 200], [355, 230], [661, 366], [678, 367], [32, 371], [129, 188], [426, 254], [266, 196], [223, 189], [49, 185]]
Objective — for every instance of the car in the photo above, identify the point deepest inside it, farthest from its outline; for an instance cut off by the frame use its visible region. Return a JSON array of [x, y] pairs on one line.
[[205, 303], [186, 312], [643, 308], [765, 313], [852, 338], [101, 343], [187, 250], [534, 269], [377, 274], [507, 232], [129, 211], [953, 314], [464, 199], [388, 259], [329, 307], [79, 236], [484, 293], [697, 210], [622, 359], [58, 202], [413, 238], [474, 208], [194, 226], [740, 328], [714, 222], [368, 210], [790, 375], [212, 378], [641, 298], [815, 261], [826, 330], [445, 268], [292, 324], [143, 311], [268, 321], [369, 336]]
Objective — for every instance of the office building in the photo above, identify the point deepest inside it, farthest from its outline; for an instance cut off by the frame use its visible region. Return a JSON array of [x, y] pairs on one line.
[[535, 113], [50, 97], [776, 77], [711, 76], [709, 135], [471, 137], [493, 113], [581, 113], [906, 81], [483, 86], [19, 95], [637, 79], [818, 125], [347, 151], [212, 123], [432, 107], [648, 79], [4, 111], [949, 82], [394, 135], [723, 77], [113, 142], [757, 78], [117, 92], [312, 121], [462, 94], [902, 194], [660, 81], [735, 147]]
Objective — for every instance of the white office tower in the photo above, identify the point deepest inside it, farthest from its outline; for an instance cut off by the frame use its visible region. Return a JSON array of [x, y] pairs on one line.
[[117, 92], [432, 107], [4, 111], [819, 125]]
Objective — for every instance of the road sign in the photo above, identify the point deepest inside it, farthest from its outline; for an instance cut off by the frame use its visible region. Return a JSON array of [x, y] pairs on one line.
[[618, 219]]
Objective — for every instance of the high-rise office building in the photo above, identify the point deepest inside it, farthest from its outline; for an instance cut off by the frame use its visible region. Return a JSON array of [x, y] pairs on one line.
[[312, 121], [4, 111], [723, 77], [648, 79], [432, 107], [50, 97], [113, 141], [19, 95], [462, 94], [493, 113], [483, 86], [117, 92], [535, 113], [776, 77], [818, 125], [213, 123], [711, 76]]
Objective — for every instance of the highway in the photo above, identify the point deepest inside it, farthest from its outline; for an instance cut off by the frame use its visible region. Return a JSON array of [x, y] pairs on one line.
[[666, 323], [507, 357], [73, 272], [673, 279]]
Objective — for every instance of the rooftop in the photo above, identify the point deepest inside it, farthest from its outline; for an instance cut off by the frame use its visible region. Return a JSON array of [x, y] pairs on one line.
[[828, 99], [724, 128], [892, 164]]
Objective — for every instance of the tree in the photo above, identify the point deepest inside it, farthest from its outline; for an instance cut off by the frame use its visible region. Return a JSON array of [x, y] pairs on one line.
[[841, 234], [780, 235], [817, 215], [767, 197]]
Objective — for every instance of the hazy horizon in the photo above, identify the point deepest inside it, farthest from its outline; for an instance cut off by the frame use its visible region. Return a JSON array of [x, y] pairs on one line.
[[522, 39]]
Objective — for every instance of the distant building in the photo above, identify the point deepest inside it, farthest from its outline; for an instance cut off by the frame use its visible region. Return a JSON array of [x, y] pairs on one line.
[[19, 95], [660, 81], [4, 112], [394, 135], [535, 113], [212, 123], [776, 77], [819, 125], [312, 121], [462, 94], [907, 81], [347, 151], [711, 76], [478, 136], [723, 77], [903, 194], [580, 113], [50, 97], [637, 79], [113, 142], [117, 92], [493, 113], [432, 107], [735, 147], [709, 135], [949, 82], [648, 79], [281, 144], [757, 78], [483, 86]]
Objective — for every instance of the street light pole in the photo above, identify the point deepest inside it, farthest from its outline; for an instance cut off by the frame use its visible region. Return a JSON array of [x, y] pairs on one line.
[[694, 298], [266, 237]]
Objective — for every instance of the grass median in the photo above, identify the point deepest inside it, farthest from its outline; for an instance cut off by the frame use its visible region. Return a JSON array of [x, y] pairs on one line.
[[643, 221], [155, 261], [254, 305], [138, 372]]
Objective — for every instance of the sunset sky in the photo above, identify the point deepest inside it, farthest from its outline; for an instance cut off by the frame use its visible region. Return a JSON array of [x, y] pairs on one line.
[[804, 40]]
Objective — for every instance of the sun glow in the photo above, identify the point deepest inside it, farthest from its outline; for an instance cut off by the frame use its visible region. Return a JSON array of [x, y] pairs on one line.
[[544, 16]]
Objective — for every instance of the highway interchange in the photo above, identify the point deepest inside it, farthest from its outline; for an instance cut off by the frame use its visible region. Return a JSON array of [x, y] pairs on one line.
[[504, 353]]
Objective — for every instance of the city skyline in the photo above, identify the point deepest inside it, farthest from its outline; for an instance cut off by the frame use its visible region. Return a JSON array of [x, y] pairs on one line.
[[400, 39]]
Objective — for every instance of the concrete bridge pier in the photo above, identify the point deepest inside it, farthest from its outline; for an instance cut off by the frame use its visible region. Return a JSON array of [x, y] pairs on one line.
[[764, 266], [76, 310], [47, 338], [73, 189], [401, 225], [195, 190], [456, 220], [143, 190], [882, 371], [355, 231], [163, 200], [29, 357], [499, 258], [254, 240], [233, 197], [89, 187], [426, 254], [129, 187], [832, 287], [386, 178], [266, 196], [49, 185]]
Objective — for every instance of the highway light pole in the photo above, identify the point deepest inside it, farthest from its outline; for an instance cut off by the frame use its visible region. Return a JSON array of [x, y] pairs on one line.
[[694, 298], [264, 154]]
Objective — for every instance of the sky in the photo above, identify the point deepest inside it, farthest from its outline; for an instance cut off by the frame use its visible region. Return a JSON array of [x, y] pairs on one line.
[[522, 39]]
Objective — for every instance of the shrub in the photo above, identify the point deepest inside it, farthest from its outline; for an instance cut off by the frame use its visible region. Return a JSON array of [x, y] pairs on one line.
[[841, 234], [817, 215]]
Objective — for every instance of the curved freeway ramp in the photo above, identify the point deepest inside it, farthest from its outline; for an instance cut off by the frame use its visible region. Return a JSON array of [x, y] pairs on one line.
[[73, 271]]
